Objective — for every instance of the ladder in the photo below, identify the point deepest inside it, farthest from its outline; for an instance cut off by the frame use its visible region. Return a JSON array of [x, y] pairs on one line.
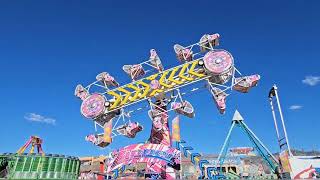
[[282, 135]]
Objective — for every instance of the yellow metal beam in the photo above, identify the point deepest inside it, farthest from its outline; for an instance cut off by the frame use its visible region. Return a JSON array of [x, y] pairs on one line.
[[152, 77], [32, 148], [163, 77], [192, 72], [181, 74], [146, 89], [117, 99], [126, 98], [137, 92], [177, 76], [171, 77]]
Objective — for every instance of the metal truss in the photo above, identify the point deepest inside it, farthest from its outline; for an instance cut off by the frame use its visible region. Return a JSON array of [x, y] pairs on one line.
[[122, 119], [263, 151], [179, 72], [170, 81], [228, 87]]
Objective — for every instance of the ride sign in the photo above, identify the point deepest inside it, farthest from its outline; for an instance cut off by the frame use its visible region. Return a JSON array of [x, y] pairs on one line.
[[157, 155]]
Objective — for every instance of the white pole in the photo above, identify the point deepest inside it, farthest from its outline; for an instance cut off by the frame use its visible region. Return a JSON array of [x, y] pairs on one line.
[[275, 122], [281, 116], [274, 119]]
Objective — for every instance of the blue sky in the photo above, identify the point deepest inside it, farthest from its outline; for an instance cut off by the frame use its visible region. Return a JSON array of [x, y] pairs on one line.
[[48, 47]]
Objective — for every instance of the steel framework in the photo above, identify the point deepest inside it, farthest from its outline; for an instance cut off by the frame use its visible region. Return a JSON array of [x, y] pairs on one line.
[[238, 121]]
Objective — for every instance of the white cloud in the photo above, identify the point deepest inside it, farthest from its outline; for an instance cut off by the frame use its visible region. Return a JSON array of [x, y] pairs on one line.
[[39, 118], [311, 80], [295, 107]]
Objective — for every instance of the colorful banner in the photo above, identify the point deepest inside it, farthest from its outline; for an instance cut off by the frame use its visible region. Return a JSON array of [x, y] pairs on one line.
[[284, 159], [236, 160], [157, 156], [176, 129], [244, 151], [107, 132]]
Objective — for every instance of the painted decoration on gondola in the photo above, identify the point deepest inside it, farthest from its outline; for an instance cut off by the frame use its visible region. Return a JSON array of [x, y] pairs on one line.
[[218, 61], [93, 106], [157, 156]]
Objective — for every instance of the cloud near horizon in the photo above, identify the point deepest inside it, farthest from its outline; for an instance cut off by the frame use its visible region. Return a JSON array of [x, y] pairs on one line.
[[39, 118], [295, 107], [311, 80]]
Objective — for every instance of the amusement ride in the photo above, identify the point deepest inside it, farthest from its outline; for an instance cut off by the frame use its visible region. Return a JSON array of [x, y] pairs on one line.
[[107, 104], [33, 141], [37, 164]]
